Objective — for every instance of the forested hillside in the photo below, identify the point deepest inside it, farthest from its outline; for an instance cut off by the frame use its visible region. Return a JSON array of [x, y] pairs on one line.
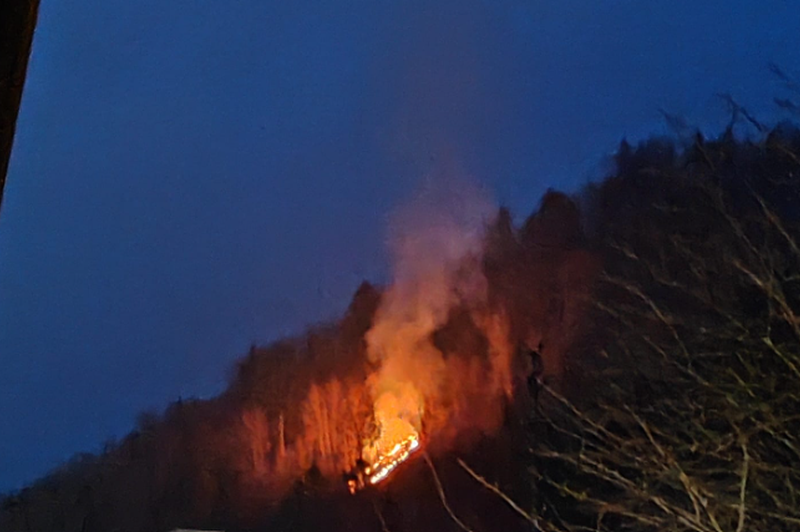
[[663, 305]]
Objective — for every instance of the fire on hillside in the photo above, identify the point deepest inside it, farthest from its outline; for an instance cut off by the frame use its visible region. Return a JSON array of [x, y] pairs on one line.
[[397, 436], [397, 455]]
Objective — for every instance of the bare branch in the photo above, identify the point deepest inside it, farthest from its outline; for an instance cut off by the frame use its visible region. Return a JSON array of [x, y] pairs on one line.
[[494, 489], [463, 526]]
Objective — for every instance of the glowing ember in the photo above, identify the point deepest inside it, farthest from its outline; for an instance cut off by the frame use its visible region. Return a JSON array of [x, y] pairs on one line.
[[397, 455], [397, 416]]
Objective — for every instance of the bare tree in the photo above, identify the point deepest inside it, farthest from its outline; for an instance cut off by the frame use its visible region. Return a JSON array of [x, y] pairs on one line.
[[692, 421]]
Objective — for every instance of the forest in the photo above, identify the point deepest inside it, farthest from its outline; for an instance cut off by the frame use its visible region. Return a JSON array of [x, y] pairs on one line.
[[630, 363]]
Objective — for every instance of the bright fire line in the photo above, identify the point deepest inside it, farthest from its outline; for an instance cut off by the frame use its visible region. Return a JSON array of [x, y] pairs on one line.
[[397, 455]]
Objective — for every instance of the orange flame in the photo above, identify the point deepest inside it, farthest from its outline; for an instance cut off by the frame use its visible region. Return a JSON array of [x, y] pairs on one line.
[[391, 460], [397, 415], [436, 243]]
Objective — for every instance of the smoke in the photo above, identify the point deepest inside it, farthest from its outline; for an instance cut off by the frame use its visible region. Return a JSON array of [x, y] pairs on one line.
[[436, 244], [433, 354]]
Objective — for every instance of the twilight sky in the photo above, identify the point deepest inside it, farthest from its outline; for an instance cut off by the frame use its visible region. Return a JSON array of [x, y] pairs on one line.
[[193, 176]]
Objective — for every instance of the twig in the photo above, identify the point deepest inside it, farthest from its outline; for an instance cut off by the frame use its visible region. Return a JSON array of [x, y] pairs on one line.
[[442, 496], [384, 528], [743, 487], [494, 489]]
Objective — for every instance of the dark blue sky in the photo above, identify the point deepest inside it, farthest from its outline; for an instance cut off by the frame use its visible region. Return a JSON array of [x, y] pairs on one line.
[[191, 177]]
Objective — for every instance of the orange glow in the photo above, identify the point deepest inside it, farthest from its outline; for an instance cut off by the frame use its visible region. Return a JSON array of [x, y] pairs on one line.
[[392, 459], [396, 415]]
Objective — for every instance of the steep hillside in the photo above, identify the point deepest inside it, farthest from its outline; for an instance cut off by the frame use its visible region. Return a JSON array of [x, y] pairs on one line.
[[626, 359]]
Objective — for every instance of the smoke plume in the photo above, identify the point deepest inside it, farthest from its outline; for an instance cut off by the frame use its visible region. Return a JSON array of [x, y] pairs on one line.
[[437, 246]]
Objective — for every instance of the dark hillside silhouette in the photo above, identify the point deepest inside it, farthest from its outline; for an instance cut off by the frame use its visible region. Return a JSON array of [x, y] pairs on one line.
[[683, 415], [661, 304]]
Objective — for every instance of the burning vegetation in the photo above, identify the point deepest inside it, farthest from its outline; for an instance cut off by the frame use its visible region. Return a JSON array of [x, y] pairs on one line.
[[428, 364], [663, 307], [433, 361], [384, 461]]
